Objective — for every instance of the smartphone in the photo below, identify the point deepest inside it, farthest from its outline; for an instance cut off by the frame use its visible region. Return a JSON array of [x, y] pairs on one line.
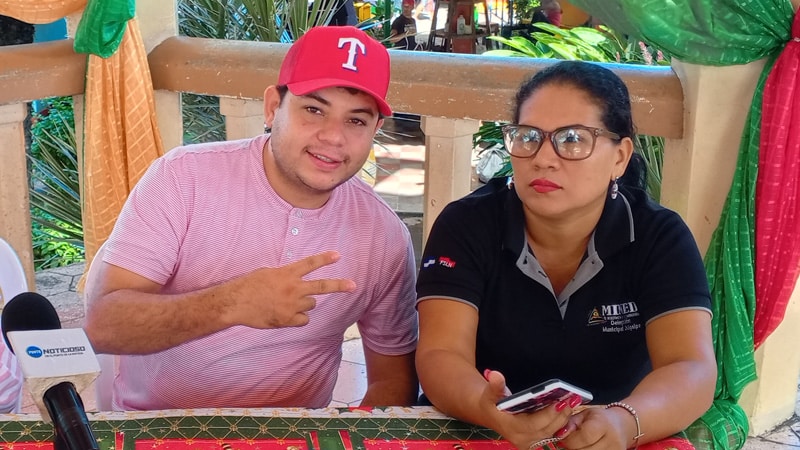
[[541, 396]]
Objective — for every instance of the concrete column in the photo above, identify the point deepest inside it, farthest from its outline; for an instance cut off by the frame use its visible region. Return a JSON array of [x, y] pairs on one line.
[[697, 175], [243, 118], [771, 399], [15, 218], [158, 20], [78, 105], [448, 168], [169, 116], [698, 169]]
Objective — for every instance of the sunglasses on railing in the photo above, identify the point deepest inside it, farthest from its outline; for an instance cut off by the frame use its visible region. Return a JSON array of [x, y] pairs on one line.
[[573, 143]]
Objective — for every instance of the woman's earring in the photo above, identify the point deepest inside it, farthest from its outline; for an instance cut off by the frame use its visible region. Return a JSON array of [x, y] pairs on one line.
[[510, 183], [614, 189]]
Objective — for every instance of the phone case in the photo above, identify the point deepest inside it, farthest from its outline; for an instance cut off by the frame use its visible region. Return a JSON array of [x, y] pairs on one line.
[[541, 396]]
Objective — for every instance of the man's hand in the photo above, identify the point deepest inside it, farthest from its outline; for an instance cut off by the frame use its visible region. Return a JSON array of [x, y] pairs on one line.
[[281, 297]]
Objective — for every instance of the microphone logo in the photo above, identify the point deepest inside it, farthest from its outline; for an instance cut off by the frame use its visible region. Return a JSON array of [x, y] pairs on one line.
[[34, 351]]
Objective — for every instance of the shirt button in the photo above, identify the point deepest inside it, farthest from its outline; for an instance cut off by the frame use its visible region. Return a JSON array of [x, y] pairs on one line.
[[289, 254], [295, 231], [298, 213]]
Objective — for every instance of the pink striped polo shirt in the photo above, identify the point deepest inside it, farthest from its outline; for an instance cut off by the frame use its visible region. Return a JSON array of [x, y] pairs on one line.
[[10, 381], [204, 214]]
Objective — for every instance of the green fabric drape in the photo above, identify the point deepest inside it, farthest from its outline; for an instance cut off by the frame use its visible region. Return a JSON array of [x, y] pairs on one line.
[[716, 33], [729, 266], [102, 26], [723, 32]]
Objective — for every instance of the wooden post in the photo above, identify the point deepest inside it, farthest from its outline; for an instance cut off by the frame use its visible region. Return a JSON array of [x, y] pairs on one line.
[[448, 168], [15, 217]]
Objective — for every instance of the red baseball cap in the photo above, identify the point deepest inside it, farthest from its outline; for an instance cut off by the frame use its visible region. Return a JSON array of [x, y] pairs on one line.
[[331, 56]]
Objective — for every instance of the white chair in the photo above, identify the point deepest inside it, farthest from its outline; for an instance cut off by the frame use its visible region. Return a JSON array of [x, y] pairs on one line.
[[12, 283], [104, 384], [12, 274]]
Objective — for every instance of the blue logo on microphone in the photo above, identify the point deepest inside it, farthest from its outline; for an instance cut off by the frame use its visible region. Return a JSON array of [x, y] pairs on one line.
[[34, 351]]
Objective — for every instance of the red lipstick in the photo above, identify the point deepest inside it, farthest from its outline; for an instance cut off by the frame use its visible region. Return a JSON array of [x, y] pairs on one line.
[[543, 185]]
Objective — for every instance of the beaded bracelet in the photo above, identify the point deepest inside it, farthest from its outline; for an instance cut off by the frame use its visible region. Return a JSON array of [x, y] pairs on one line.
[[632, 412], [543, 442]]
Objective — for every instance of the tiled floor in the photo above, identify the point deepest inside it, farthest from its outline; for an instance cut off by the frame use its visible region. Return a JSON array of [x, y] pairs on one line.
[[401, 179], [352, 383]]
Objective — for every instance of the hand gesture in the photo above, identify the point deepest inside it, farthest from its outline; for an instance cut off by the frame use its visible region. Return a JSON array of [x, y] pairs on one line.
[[281, 297]]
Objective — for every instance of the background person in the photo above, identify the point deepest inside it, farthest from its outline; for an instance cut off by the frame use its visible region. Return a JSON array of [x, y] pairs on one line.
[[235, 267], [404, 28], [422, 11], [549, 12], [573, 273], [344, 14]]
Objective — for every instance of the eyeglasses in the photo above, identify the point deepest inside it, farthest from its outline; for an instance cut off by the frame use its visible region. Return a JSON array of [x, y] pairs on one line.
[[573, 143]]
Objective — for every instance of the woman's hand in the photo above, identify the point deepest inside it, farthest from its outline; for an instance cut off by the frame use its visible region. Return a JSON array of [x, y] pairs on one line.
[[600, 428], [524, 429]]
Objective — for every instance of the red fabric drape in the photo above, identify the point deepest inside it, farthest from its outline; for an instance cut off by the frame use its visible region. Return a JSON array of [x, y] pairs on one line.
[[777, 218]]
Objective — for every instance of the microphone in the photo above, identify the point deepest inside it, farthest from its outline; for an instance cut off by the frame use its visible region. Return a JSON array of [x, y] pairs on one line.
[[54, 361]]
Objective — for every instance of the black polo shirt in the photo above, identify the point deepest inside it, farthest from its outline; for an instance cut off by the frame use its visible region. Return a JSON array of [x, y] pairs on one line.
[[641, 262]]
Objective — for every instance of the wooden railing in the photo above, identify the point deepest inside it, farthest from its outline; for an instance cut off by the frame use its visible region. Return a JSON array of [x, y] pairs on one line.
[[429, 84]]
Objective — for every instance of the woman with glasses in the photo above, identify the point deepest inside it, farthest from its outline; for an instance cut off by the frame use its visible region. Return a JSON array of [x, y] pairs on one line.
[[567, 271]]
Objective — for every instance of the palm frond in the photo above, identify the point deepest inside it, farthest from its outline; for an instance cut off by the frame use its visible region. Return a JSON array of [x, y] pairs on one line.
[[55, 190]]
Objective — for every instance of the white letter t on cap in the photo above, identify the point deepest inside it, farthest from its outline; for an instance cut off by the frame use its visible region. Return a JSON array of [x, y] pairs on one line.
[[355, 46]]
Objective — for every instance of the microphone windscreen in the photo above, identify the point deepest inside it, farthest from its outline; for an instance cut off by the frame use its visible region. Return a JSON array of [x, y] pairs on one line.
[[28, 311]]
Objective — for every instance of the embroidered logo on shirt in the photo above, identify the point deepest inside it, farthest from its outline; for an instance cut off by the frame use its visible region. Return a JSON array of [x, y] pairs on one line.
[[442, 261], [447, 262], [615, 318], [595, 317]]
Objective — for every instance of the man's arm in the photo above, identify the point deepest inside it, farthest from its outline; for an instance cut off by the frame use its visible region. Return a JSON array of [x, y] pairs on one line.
[[128, 315], [391, 380], [394, 37], [391, 321], [398, 31], [395, 34]]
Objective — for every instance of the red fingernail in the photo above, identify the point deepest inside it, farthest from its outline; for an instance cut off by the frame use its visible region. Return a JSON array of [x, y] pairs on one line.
[[575, 400], [562, 432], [486, 373], [561, 405]]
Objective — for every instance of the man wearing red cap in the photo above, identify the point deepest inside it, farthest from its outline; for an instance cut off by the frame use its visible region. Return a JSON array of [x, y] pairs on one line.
[[235, 267], [404, 28]]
